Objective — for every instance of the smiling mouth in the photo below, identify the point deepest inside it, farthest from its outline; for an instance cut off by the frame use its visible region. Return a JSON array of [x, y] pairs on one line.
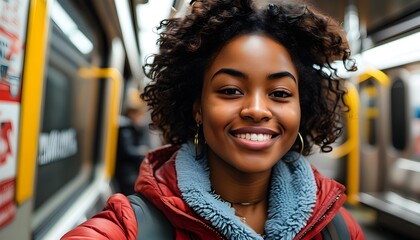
[[258, 137]]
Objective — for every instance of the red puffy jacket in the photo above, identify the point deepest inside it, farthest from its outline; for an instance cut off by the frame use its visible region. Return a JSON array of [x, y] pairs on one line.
[[158, 183]]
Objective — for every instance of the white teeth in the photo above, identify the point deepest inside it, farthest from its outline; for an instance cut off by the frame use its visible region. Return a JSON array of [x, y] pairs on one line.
[[254, 137], [259, 137]]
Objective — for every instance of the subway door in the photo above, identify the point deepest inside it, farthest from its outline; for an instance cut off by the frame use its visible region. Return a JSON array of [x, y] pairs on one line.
[[399, 150], [68, 137], [414, 137], [373, 129]]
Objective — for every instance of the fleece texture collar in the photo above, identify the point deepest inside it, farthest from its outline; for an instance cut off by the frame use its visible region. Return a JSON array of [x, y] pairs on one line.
[[291, 200]]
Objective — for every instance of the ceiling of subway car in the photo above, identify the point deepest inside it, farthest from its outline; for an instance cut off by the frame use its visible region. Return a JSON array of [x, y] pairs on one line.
[[373, 14]]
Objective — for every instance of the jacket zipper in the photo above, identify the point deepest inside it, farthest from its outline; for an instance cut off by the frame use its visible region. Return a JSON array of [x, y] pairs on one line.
[[321, 218]]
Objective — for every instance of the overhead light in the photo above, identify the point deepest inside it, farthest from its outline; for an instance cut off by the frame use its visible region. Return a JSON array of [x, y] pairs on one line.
[[81, 41], [396, 53], [393, 54], [129, 37], [69, 27]]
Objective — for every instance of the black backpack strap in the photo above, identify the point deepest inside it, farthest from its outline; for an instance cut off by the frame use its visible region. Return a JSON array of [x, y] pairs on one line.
[[151, 223], [336, 229]]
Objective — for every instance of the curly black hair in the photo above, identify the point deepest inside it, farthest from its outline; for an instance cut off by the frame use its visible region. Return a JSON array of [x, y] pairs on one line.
[[188, 45]]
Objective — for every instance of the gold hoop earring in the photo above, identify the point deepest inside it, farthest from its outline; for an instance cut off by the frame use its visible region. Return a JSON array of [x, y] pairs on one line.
[[196, 141], [302, 147]]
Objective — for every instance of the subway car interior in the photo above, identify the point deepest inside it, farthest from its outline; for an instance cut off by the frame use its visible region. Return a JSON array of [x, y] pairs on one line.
[[67, 67]]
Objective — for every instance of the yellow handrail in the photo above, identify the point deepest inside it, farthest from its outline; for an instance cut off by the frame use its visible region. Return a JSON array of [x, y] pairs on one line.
[[377, 74], [33, 80], [111, 133], [351, 146]]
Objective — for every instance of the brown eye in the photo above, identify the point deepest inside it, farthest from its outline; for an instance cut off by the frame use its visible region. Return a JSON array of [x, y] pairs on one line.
[[230, 91], [280, 94]]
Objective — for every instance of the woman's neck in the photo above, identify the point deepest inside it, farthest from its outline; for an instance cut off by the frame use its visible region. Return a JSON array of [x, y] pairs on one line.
[[237, 187], [240, 189]]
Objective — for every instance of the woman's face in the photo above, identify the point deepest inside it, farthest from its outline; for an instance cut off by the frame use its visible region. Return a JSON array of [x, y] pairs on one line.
[[250, 104]]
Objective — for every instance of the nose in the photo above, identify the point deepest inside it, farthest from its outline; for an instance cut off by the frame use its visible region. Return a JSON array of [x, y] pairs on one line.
[[256, 108]]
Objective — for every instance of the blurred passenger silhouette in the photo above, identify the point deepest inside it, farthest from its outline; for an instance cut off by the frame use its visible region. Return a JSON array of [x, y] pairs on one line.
[[133, 142]]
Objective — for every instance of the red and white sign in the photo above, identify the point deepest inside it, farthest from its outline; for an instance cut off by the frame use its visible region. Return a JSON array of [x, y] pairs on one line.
[[13, 19], [9, 122]]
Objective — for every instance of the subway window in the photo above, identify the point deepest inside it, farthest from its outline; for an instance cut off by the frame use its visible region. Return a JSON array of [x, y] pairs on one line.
[[398, 113]]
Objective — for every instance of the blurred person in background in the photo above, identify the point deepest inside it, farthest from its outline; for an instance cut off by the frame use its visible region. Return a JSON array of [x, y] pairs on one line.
[[133, 142]]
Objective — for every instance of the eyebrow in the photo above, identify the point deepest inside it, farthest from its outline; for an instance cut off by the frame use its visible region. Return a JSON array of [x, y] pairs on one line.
[[278, 75], [237, 73], [231, 72]]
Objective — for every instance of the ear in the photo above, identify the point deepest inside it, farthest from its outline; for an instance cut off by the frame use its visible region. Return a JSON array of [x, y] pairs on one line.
[[198, 115]]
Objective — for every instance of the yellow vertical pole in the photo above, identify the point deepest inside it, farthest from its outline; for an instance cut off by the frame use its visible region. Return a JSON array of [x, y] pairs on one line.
[[352, 99], [32, 88], [112, 114], [351, 146]]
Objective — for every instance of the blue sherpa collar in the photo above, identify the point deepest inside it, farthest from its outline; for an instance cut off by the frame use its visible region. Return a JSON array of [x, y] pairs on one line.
[[291, 201]]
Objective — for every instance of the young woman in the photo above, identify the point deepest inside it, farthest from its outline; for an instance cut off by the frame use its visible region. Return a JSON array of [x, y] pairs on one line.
[[242, 90]]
